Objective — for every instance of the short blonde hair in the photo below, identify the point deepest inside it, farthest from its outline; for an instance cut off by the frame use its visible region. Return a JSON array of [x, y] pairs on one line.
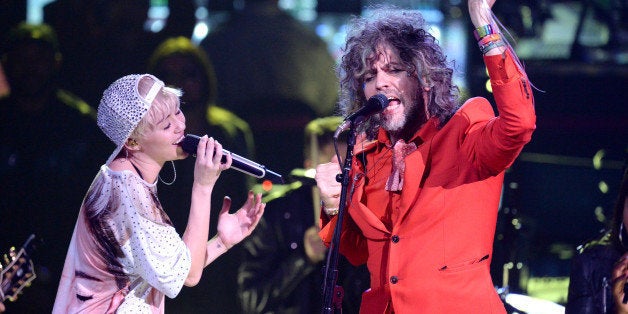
[[166, 101]]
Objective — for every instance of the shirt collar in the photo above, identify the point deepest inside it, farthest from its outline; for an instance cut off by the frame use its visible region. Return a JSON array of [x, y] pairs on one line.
[[424, 133]]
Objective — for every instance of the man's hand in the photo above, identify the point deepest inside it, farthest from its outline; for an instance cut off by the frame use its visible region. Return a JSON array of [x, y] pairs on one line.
[[328, 186], [480, 12]]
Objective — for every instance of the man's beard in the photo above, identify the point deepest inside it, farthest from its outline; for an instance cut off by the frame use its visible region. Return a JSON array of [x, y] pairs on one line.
[[410, 116]]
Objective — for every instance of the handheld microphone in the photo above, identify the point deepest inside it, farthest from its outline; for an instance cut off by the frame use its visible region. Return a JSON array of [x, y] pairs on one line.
[[190, 143], [374, 105]]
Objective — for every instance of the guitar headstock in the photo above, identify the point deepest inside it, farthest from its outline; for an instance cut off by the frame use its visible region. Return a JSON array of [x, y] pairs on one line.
[[18, 271]]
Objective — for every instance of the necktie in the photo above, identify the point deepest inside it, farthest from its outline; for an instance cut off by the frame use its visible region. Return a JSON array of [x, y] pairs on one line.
[[400, 150]]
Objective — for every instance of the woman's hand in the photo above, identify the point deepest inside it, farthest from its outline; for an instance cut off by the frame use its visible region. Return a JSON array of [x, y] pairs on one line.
[[208, 166], [233, 228], [620, 272]]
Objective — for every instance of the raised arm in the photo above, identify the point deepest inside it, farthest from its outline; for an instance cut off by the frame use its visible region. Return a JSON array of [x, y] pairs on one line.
[[206, 172], [501, 141], [481, 15]]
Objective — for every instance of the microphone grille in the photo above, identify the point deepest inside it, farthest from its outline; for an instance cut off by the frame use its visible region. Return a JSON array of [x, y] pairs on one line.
[[190, 143], [379, 101]]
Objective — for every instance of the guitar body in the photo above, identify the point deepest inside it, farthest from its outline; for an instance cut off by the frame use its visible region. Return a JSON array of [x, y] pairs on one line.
[[18, 272]]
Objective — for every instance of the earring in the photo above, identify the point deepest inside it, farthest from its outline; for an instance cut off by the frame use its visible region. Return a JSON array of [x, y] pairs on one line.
[[621, 234]]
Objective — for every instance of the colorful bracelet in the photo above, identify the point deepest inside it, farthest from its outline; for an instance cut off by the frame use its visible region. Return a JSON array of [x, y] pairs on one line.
[[483, 31], [491, 45], [488, 38]]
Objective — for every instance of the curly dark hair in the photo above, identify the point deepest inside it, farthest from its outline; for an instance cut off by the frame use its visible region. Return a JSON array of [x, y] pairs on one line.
[[407, 33]]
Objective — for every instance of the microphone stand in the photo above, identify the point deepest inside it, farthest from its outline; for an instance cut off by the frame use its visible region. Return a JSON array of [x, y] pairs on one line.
[[333, 294]]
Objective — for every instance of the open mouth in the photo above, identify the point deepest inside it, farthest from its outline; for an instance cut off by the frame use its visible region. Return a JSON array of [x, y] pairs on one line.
[[179, 141], [393, 102]]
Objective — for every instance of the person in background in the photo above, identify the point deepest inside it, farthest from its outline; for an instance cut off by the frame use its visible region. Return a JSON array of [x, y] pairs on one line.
[[48, 142], [282, 271], [274, 72], [125, 255], [105, 37], [180, 63], [600, 266], [426, 181]]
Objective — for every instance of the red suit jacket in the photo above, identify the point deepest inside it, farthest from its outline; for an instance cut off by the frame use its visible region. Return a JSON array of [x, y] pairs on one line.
[[435, 254]]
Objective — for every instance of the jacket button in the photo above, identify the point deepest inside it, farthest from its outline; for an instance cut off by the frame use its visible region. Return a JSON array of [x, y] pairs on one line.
[[394, 279], [395, 238]]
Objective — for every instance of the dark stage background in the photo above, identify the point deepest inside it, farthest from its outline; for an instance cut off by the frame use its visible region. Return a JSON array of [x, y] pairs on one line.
[[559, 193]]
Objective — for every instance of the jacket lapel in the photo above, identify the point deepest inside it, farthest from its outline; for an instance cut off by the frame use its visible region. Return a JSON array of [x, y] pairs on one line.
[[371, 226], [417, 168], [363, 216]]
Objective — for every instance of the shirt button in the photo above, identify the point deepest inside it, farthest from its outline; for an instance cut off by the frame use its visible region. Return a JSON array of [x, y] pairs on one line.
[[395, 238], [394, 279]]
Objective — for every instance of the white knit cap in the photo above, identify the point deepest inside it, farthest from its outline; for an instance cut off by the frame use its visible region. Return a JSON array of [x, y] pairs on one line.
[[122, 108]]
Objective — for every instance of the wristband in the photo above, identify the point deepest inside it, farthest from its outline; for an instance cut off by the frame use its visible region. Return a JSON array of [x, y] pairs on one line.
[[329, 211], [487, 39], [483, 31], [491, 45]]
